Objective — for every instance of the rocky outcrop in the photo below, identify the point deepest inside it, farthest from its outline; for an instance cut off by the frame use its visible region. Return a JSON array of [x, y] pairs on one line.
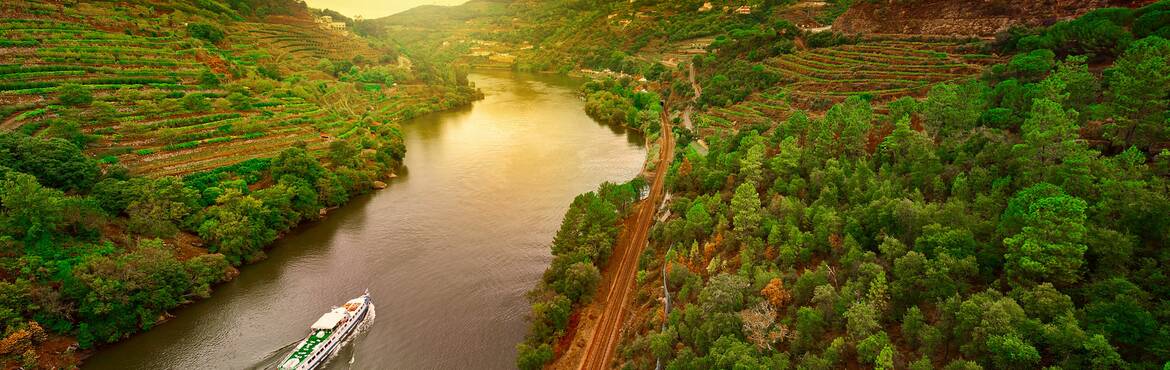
[[981, 18]]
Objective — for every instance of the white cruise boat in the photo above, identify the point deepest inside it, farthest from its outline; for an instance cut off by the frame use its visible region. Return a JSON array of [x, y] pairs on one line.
[[327, 334]]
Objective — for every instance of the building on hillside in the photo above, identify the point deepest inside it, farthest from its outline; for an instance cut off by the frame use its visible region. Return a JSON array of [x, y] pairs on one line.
[[326, 22], [745, 10], [706, 7]]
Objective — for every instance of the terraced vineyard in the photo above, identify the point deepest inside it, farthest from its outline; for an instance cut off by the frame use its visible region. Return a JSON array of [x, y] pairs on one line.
[[293, 40], [883, 70], [165, 103]]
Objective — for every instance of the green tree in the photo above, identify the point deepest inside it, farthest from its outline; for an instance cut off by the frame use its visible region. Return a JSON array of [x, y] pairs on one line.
[[723, 294], [1138, 95], [209, 79], [1032, 66], [206, 32], [850, 121], [952, 108], [1010, 352], [160, 207], [550, 317], [240, 101], [1077, 81], [235, 227], [910, 153], [579, 282], [28, 211], [297, 162], [862, 320], [746, 205], [810, 325], [752, 163], [1050, 247], [55, 162], [731, 353], [913, 323], [196, 103], [1052, 144], [533, 358], [74, 95]]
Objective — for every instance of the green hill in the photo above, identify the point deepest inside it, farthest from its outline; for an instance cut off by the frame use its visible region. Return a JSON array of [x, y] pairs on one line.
[[147, 148]]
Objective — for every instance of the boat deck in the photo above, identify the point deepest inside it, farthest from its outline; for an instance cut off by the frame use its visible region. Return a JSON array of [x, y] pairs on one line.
[[305, 349]]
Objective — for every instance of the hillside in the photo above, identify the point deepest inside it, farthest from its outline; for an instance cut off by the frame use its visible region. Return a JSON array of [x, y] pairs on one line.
[[146, 150], [986, 218], [964, 18], [208, 97], [897, 191], [893, 184]]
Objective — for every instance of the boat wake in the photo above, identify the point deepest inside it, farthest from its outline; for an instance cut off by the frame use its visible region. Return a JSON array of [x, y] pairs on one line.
[[359, 331], [272, 359]]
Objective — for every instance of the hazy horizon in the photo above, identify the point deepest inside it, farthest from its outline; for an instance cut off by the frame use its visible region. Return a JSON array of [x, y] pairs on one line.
[[375, 8]]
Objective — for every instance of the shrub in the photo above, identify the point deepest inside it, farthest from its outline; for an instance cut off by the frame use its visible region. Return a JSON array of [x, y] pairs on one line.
[[208, 79], [75, 95], [1152, 23], [533, 358], [196, 103], [206, 32], [1032, 66]]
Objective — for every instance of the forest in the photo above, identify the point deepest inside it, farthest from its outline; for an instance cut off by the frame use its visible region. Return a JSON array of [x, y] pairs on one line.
[[1015, 220]]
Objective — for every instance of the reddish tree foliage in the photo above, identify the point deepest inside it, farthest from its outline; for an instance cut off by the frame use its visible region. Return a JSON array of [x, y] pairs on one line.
[[776, 294]]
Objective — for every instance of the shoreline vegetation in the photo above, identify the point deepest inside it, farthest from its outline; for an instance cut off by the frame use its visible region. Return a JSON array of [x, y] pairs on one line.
[[138, 175], [591, 226]]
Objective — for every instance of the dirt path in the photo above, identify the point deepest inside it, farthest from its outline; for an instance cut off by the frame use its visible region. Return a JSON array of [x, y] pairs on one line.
[[691, 107], [599, 329]]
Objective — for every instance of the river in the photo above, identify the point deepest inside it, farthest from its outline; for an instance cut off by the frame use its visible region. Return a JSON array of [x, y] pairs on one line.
[[447, 251]]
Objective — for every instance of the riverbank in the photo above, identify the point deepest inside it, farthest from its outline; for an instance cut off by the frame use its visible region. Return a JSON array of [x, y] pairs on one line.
[[190, 246], [576, 309], [447, 250], [596, 345]]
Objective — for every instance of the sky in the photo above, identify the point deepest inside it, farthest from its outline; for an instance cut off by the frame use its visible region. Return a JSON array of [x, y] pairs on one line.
[[375, 8]]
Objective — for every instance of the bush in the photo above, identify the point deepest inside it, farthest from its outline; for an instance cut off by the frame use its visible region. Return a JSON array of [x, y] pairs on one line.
[[1152, 23], [1032, 66], [75, 95], [196, 103], [240, 101], [208, 79], [828, 39], [579, 282], [533, 358], [206, 32]]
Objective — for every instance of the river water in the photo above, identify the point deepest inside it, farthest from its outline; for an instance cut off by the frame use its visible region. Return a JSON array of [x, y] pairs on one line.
[[447, 251]]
